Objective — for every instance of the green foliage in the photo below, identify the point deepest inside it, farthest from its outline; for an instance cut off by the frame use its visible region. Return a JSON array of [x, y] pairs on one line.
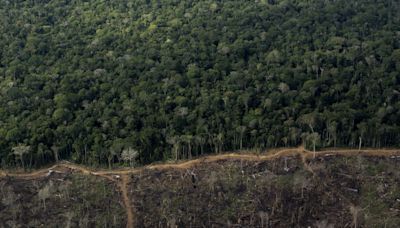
[[82, 76]]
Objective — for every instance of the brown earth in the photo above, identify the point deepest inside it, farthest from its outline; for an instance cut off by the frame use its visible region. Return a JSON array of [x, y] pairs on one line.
[[124, 179]]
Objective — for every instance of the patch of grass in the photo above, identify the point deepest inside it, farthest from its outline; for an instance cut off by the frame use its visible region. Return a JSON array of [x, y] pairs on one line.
[[375, 169], [284, 182]]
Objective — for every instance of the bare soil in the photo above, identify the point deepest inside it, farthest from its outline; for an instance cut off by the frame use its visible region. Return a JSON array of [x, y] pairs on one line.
[[284, 187]]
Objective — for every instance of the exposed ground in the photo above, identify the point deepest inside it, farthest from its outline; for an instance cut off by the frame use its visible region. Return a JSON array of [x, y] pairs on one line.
[[282, 188]]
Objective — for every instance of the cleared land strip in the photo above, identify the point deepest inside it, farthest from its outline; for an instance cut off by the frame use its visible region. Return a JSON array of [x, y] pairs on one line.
[[120, 176]]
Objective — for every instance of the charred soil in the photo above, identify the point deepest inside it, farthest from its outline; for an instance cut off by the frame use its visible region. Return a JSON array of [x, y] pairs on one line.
[[284, 188]]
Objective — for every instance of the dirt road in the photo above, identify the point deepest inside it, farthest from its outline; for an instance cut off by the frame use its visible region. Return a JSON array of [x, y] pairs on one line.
[[121, 178]]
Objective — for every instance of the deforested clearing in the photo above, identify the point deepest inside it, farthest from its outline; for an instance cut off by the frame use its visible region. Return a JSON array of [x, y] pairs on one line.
[[283, 188]]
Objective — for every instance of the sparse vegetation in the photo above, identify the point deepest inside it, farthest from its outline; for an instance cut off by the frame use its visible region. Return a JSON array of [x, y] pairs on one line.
[[71, 200], [276, 190], [277, 193]]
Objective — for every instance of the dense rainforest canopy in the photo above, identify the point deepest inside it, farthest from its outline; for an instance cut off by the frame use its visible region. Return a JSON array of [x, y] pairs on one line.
[[106, 81]]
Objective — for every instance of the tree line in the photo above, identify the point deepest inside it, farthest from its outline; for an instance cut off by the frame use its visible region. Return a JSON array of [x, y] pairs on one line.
[[104, 82]]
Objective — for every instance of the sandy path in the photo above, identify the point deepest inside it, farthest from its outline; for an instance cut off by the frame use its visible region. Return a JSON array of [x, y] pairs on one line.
[[124, 189]]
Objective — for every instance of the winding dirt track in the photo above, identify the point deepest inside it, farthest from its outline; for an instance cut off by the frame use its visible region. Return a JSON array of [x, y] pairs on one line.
[[121, 178]]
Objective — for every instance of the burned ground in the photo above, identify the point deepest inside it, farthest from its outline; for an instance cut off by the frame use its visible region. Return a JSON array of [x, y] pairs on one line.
[[342, 191], [286, 188], [60, 200]]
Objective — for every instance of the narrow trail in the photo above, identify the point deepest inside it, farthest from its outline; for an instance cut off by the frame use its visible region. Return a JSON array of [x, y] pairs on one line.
[[121, 178], [124, 189], [122, 185], [273, 154]]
